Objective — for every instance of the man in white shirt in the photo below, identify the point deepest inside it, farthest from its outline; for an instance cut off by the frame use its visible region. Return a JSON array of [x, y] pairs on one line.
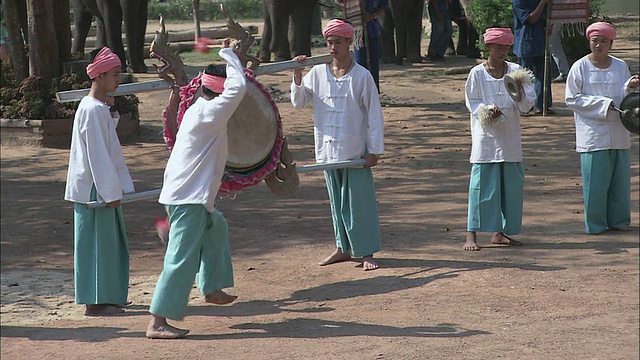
[[198, 239], [348, 124], [596, 83]]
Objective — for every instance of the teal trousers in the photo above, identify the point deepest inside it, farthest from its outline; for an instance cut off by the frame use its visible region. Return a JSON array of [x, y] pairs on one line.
[[496, 196], [198, 249], [606, 188], [101, 255], [354, 210]]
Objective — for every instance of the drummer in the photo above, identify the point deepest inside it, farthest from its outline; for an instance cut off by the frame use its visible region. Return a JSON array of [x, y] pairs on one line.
[[198, 240], [496, 184], [596, 83], [348, 125]]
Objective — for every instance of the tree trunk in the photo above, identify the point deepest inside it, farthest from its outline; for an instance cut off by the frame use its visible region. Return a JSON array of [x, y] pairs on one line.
[[15, 42], [43, 45], [62, 31]]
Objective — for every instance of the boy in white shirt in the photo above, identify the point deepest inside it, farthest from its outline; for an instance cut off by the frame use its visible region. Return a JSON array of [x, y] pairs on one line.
[[596, 83]]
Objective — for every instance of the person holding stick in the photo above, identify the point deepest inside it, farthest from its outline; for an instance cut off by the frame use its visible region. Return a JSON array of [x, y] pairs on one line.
[[596, 84], [348, 124], [198, 237], [98, 172]]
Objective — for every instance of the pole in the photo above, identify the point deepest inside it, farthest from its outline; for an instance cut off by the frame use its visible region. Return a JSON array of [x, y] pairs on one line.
[[545, 84]]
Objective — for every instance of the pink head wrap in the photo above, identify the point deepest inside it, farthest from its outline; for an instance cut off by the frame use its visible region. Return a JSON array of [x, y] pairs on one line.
[[499, 36], [104, 61], [213, 83], [339, 28], [601, 28]]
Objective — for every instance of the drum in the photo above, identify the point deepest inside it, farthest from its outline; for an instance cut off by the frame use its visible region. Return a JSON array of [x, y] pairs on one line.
[[254, 134]]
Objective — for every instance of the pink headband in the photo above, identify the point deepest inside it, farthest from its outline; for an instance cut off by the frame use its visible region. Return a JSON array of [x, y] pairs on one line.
[[213, 83], [339, 28], [104, 61], [498, 36], [601, 28]]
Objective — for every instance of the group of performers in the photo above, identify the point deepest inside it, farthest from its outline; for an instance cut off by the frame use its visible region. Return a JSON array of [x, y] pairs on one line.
[[348, 124]]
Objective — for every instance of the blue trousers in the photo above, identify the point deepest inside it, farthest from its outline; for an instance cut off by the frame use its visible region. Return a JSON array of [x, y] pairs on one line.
[[198, 249], [496, 195], [101, 255], [360, 56], [536, 65], [606, 187], [440, 33], [354, 210]]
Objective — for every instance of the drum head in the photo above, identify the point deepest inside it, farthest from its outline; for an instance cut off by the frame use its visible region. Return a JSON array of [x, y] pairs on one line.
[[252, 130]]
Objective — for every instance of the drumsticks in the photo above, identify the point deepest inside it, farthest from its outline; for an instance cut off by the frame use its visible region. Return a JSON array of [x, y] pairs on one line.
[[204, 44]]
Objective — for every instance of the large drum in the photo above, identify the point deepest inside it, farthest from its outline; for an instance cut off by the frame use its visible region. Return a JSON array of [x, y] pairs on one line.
[[254, 132]]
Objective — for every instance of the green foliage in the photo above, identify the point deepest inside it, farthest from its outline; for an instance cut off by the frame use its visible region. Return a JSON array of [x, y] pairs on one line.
[[33, 99], [499, 13], [174, 10]]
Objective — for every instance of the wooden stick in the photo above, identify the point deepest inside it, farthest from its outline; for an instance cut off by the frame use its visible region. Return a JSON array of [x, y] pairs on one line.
[[156, 85], [153, 194]]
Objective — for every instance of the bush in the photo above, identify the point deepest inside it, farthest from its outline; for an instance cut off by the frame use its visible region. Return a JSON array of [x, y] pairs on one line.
[[32, 99]]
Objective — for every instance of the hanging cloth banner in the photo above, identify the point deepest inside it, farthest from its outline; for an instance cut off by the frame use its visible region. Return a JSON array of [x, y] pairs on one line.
[[569, 11]]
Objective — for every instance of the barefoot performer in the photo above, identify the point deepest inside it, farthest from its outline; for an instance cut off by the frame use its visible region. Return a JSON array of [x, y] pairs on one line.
[[497, 177], [596, 83], [348, 125], [98, 172], [198, 239]]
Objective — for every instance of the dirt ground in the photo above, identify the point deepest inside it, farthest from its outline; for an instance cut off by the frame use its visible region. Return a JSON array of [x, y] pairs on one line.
[[563, 295]]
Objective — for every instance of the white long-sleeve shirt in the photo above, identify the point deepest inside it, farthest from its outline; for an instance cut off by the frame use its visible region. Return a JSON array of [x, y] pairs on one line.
[[589, 93], [499, 142], [96, 155], [196, 164], [347, 114]]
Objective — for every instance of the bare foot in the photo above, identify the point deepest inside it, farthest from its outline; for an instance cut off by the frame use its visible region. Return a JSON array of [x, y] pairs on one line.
[[102, 310], [502, 239], [470, 244], [336, 256], [165, 331], [368, 263], [219, 297], [624, 228]]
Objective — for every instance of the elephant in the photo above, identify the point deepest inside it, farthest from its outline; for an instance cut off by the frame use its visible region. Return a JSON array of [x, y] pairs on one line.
[[110, 14], [401, 31], [287, 29], [467, 34], [407, 19]]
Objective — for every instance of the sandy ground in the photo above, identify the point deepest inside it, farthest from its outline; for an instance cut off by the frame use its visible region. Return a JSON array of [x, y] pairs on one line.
[[563, 294]]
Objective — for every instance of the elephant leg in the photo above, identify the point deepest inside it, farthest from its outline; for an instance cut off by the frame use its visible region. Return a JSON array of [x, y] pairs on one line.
[[112, 18], [387, 37], [463, 36], [135, 31], [414, 31], [101, 33], [280, 12], [399, 13], [301, 23], [81, 25], [472, 50], [265, 41]]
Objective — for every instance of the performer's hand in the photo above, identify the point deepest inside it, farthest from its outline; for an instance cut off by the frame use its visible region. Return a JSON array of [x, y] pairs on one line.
[[495, 112], [297, 73], [113, 204], [634, 82], [371, 160]]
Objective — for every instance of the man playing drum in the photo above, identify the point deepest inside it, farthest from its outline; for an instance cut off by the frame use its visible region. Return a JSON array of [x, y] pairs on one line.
[[198, 240], [348, 124]]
